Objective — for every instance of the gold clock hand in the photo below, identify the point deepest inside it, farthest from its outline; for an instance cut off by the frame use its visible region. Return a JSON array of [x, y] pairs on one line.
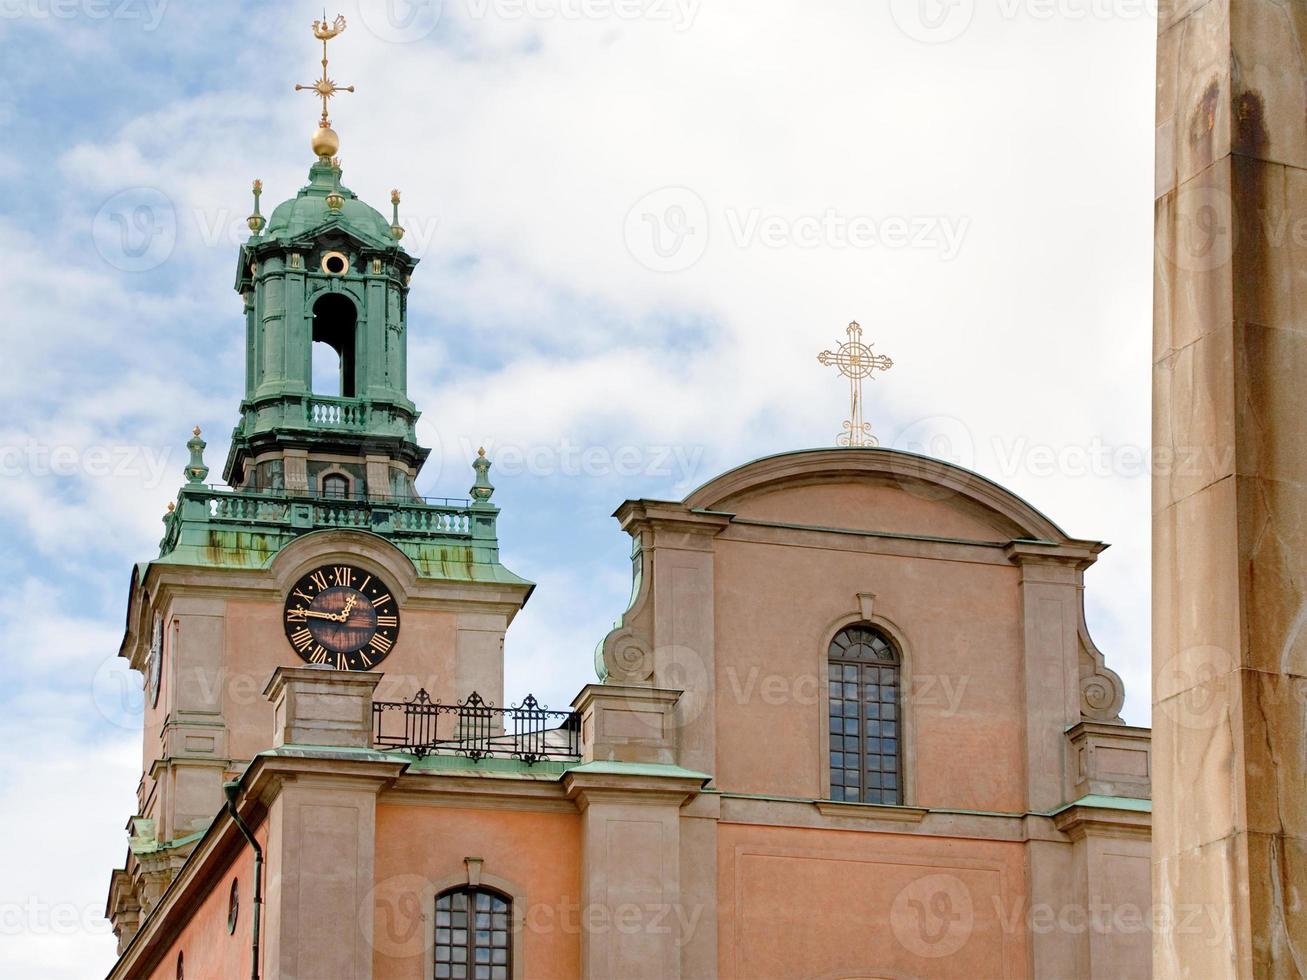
[[321, 615]]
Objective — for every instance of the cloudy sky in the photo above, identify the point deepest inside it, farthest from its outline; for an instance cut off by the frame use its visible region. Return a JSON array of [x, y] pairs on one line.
[[639, 222]]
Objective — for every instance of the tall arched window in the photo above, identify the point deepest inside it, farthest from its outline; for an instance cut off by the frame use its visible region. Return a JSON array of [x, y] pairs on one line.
[[332, 365], [472, 935], [865, 724]]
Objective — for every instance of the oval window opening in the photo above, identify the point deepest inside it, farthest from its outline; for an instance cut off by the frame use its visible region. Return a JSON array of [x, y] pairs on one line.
[[334, 263], [233, 905]]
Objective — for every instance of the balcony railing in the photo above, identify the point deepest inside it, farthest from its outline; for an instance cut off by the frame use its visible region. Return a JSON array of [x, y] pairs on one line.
[[476, 729], [408, 515], [346, 413]]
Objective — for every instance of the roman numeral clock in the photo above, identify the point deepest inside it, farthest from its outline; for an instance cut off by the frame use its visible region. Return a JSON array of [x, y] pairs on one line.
[[343, 617]]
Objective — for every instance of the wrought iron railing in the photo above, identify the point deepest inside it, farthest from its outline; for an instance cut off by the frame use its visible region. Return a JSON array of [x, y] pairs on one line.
[[477, 729]]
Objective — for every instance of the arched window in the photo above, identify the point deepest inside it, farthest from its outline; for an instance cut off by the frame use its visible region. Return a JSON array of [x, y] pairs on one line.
[[332, 363], [335, 485], [472, 935], [865, 724]]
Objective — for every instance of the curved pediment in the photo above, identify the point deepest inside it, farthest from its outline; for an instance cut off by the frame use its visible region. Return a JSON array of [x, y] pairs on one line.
[[873, 489]]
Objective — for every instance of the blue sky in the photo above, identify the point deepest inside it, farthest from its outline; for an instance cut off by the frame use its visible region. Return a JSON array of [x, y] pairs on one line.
[[639, 221]]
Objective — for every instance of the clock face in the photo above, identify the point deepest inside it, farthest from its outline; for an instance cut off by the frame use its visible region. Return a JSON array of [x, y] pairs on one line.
[[342, 616], [155, 666]]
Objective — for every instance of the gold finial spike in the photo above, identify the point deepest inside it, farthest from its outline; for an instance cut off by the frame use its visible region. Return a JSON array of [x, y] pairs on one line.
[[171, 507], [196, 432], [481, 451], [856, 361], [325, 141]]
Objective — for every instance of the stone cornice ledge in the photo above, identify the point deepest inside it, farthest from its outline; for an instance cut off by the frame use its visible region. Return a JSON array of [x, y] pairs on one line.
[[871, 811], [1105, 817], [620, 782]]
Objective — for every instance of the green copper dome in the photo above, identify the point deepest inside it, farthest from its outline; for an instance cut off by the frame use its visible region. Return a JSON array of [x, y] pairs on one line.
[[309, 210]]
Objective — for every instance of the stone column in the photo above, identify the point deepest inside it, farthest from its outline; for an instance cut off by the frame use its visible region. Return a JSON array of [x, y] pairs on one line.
[[1230, 490]]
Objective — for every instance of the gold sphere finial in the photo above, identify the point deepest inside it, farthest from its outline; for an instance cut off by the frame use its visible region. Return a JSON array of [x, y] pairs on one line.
[[196, 431], [325, 142], [481, 451], [394, 196], [171, 507]]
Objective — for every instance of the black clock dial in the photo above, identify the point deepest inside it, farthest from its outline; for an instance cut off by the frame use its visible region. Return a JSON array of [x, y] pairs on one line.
[[342, 616]]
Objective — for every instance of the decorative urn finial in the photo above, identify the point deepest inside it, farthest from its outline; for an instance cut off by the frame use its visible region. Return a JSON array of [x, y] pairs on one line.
[[255, 220], [482, 489], [196, 471], [395, 229]]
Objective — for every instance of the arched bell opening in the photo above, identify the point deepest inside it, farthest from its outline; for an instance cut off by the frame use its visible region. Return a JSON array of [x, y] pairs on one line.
[[335, 328]]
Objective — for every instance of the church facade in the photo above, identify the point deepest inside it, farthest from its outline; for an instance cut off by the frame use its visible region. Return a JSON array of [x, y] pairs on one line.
[[852, 724]]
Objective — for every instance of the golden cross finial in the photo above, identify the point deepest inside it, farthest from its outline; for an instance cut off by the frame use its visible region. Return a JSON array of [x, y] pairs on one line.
[[324, 87], [855, 361]]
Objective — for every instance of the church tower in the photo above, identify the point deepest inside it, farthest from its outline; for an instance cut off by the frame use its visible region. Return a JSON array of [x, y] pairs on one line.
[[318, 549]]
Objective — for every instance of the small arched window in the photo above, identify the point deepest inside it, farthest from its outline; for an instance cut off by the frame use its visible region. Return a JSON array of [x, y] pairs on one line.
[[335, 485], [472, 935], [865, 724]]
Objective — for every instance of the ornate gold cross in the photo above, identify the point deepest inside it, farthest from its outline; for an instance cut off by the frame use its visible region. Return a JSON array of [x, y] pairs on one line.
[[855, 361], [324, 87]]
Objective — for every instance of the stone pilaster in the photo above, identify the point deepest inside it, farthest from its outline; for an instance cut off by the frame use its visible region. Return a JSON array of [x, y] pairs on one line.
[[1230, 491], [636, 921], [1050, 611], [322, 707]]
